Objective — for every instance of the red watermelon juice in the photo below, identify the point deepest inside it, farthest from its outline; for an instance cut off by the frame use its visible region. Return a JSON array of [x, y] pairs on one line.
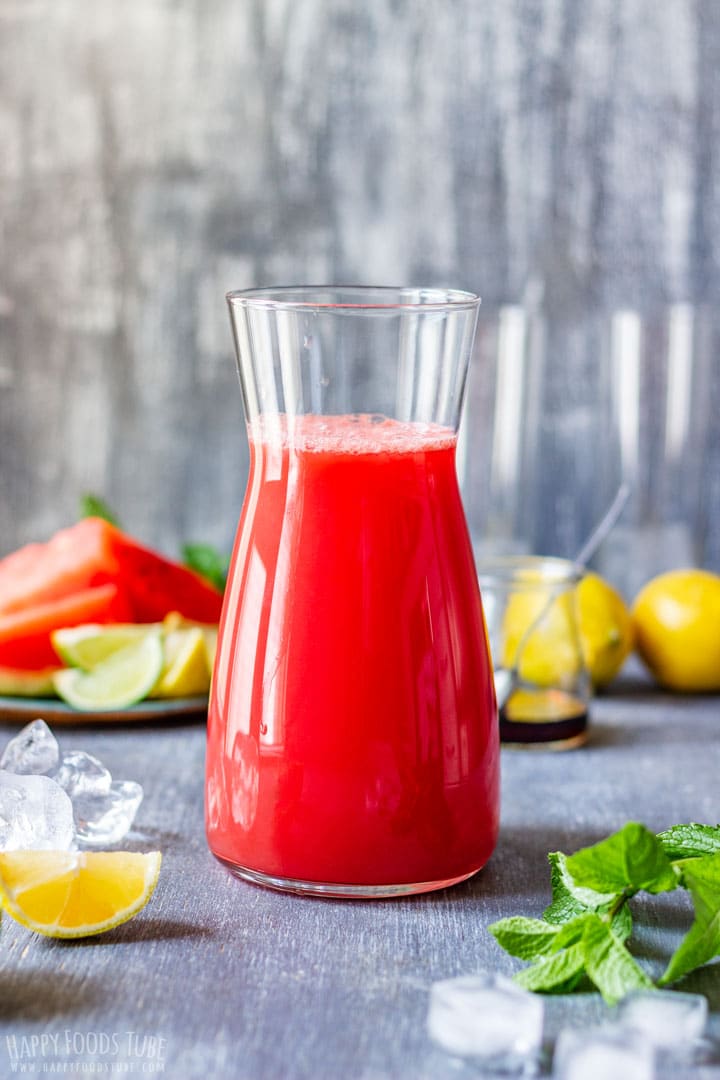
[[352, 724]]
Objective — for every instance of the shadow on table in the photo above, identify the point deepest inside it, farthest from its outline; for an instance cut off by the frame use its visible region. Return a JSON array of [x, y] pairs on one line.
[[704, 981], [644, 732], [37, 995], [519, 865], [138, 930]]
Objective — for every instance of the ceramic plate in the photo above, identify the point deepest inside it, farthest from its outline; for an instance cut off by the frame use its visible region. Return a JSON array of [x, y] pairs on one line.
[[22, 710]]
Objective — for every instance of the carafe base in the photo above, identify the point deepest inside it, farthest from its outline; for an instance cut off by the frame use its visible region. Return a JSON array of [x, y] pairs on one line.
[[343, 892]]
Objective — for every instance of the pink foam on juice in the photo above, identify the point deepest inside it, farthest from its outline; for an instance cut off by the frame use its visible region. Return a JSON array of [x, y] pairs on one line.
[[352, 724]]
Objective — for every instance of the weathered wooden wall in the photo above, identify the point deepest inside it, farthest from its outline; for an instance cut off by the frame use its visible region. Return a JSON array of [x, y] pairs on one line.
[[561, 154]]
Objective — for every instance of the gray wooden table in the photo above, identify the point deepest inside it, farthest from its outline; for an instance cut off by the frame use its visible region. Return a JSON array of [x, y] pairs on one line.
[[217, 978]]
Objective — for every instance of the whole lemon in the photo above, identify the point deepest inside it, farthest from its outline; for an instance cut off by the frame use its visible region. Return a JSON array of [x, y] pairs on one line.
[[552, 653], [606, 628], [540, 634], [677, 628]]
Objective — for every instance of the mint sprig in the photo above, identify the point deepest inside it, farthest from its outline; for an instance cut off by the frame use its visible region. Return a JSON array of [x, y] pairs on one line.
[[701, 876], [94, 506], [208, 562], [583, 932]]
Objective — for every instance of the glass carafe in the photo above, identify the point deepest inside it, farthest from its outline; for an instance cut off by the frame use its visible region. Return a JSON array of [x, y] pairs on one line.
[[352, 734]]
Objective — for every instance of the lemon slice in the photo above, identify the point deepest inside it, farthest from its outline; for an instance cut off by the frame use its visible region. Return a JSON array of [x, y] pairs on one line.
[[67, 894], [541, 706], [89, 645], [175, 621], [210, 634], [186, 671], [126, 677]]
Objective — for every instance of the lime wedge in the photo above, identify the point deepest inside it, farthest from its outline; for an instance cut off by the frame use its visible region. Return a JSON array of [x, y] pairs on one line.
[[186, 671], [126, 677], [89, 645]]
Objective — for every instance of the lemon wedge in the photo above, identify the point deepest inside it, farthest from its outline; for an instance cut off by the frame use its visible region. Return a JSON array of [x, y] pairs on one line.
[[210, 635], [186, 671], [175, 621], [69, 894], [126, 677]]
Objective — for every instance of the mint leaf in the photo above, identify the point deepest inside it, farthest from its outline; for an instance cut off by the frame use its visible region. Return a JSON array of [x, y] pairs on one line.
[[526, 938], [702, 941], [622, 923], [629, 860], [690, 841], [568, 898], [570, 933], [208, 562], [93, 506], [608, 963], [554, 974]]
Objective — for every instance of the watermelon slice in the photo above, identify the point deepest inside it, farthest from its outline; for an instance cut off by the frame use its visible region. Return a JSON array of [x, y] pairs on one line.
[[25, 635], [94, 553], [156, 586], [18, 682]]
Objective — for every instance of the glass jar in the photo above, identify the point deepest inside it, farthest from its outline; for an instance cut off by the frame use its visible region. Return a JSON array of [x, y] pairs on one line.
[[542, 683]]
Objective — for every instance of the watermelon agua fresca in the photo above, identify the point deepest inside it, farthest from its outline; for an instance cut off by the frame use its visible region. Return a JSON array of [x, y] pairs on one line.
[[91, 572]]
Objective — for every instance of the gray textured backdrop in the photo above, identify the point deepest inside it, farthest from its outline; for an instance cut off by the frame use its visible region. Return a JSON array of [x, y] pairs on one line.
[[555, 154]]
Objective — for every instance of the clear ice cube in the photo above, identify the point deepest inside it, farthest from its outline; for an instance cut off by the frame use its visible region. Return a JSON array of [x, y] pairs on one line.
[[82, 774], [486, 1016], [604, 1053], [35, 813], [667, 1018], [33, 751], [106, 817]]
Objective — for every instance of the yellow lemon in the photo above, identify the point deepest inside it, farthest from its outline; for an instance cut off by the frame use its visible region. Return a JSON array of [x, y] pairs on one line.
[[590, 623], [547, 654], [606, 628], [68, 894], [541, 706], [677, 627], [175, 621], [187, 671]]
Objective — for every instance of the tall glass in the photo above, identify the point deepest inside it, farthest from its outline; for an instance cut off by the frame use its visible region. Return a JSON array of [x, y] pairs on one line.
[[352, 734]]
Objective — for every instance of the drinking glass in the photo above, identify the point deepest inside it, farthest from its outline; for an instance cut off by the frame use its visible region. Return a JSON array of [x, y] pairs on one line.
[[542, 679], [352, 732]]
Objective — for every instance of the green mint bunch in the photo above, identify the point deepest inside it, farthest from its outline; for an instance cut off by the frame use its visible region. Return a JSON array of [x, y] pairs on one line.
[[583, 933], [208, 562]]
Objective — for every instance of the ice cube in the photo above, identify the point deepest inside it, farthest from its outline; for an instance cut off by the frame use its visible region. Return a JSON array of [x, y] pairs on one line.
[[667, 1018], [35, 813], [603, 1053], [106, 817], [82, 774], [486, 1016], [34, 750]]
